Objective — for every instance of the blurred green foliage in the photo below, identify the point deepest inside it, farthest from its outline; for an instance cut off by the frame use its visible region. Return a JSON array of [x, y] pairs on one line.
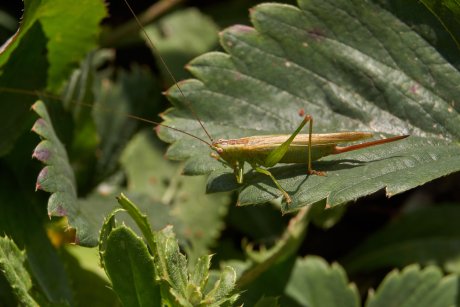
[[385, 66]]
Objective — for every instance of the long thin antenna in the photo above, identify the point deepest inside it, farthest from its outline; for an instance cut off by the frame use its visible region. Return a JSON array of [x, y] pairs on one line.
[[99, 108], [167, 69]]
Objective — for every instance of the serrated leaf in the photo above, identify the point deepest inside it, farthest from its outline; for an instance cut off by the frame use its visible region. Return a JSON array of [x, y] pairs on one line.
[[107, 227], [374, 74], [221, 292], [200, 274], [426, 236], [179, 287], [171, 264], [316, 283], [416, 287], [57, 177], [12, 267], [130, 267]]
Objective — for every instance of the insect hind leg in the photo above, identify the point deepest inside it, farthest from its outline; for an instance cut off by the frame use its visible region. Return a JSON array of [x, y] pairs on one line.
[[278, 185], [310, 170]]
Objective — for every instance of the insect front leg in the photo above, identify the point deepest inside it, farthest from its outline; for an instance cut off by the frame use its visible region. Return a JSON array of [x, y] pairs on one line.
[[311, 171]]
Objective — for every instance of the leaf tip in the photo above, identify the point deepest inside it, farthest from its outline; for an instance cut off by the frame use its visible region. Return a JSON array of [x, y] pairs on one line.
[[40, 178], [40, 154], [39, 123]]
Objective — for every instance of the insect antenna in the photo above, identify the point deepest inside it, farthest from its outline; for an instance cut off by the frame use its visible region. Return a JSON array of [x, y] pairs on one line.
[[189, 105]]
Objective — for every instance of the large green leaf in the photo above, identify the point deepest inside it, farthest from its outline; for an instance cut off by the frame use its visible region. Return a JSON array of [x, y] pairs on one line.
[[352, 66], [425, 236], [57, 177], [416, 287]]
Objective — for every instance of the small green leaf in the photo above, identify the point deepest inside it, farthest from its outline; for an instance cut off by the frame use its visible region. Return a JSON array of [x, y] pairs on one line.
[[426, 236], [200, 274], [221, 293], [179, 287], [130, 267], [375, 74], [107, 227], [416, 287], [171, 264], [12, 267], [140, 219], [316, 283]]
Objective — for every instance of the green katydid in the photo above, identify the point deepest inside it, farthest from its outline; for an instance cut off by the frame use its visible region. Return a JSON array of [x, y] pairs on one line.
[[268, 150]]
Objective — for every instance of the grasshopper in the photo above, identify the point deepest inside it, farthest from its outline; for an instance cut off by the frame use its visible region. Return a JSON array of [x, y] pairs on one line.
[[268, 150]]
